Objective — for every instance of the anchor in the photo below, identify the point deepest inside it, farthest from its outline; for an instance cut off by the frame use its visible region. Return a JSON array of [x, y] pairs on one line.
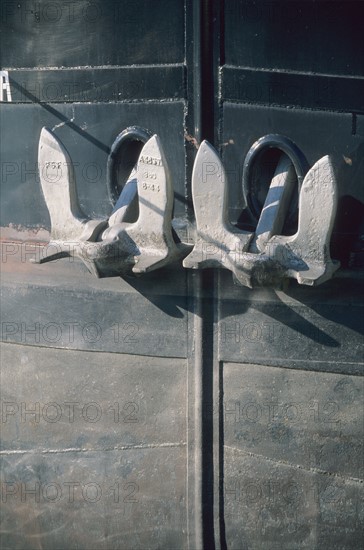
[[110, 247], [264, 257]]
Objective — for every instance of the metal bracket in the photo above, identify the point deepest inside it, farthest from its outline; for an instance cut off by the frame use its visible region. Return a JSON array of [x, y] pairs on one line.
[[265, 258], [110, 247]]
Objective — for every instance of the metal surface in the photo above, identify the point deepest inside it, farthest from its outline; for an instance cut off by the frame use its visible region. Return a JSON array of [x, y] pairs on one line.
[[306, 255], [265, 258], [123, 156], [179, 410], [217, 241], [276, 204], [114, 247], [272, 257], [253, 186]]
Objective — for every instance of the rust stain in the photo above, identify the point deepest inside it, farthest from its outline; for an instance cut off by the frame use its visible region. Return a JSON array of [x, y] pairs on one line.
[[18, 245], [192, 140], [20, 234]]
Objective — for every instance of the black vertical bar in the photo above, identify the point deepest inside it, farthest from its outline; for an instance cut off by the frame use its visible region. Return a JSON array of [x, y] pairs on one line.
[[206, 303], [207, 71], [200, 123]]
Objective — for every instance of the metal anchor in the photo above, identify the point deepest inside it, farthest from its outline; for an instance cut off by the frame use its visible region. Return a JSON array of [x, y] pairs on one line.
[[217, 241], [265, 258], [110, 247]]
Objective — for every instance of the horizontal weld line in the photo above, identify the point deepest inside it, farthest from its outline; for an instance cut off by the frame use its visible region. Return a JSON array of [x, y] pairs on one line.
[[94, 67], [101, 351], [78, 450], [98, 102], [295, 466], [263, 104], [352, 363], [34, 243], [283, 366], [289, 72], [69, 288]]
